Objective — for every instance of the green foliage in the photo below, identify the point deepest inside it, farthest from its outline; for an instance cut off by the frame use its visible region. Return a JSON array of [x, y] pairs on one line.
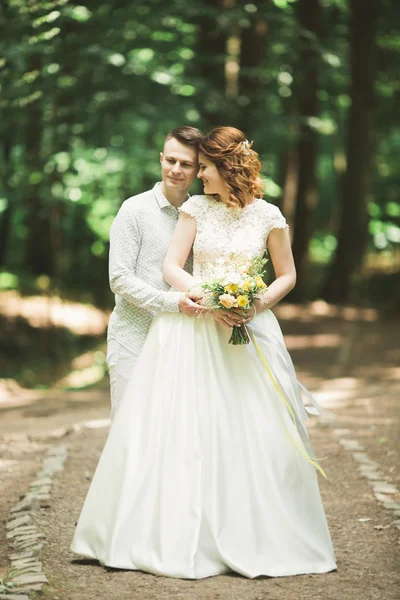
[[88, 92], [6, 586]]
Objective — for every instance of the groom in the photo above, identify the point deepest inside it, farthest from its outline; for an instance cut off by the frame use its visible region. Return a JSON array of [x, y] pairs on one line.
[[139, 239]]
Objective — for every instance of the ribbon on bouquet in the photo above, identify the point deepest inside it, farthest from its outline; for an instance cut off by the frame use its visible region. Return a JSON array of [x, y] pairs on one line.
[[289, 408]]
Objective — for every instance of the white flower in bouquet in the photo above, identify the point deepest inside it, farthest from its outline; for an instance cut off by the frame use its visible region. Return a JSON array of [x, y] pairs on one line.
[[232, 277]]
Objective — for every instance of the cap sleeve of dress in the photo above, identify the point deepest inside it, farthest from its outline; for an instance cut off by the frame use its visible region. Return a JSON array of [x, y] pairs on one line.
[[275, 219], [193, 207]]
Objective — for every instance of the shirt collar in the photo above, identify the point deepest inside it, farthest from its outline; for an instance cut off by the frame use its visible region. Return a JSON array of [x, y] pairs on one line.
[[161, 199]]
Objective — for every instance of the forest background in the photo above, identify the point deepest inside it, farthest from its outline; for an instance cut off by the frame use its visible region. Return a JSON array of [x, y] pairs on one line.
[[88, 92]]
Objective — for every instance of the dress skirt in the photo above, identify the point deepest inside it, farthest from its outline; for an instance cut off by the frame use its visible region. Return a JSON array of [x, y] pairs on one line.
[[201, 473]]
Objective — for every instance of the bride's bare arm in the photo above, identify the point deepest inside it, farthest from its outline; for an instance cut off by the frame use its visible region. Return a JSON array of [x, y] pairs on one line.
[[280, 251], [177, 254], [282, 258], [174, 274]]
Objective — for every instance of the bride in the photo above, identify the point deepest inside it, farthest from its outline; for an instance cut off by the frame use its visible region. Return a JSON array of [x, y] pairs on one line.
[[207, 467]]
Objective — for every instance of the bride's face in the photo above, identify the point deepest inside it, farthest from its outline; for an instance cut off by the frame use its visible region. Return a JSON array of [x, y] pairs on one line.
[[212, 180]]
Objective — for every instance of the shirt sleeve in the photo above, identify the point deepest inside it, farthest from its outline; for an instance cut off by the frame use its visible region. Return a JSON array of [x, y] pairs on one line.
[[125, 242]]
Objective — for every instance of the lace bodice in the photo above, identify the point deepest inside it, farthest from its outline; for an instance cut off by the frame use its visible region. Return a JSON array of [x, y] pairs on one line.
[[223, 231]]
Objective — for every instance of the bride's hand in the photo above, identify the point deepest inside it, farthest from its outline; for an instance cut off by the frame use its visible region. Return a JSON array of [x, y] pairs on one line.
[[229, 318], [249, 314]]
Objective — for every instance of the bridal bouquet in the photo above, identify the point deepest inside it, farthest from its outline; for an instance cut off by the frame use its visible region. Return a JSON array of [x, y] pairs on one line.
[[236, 283]]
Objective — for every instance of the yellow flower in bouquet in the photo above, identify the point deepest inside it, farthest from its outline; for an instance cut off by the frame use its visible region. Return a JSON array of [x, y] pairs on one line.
[[236, 284], [259, 282], [247, 285], [242, 301], [231, 288]]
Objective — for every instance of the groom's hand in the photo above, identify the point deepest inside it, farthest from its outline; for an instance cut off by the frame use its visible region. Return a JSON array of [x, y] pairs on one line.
[[191, 306]]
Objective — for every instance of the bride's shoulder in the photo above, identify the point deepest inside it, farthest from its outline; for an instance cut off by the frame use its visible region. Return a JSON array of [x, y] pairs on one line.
[[273, 217], [266, 207], [195, 205]]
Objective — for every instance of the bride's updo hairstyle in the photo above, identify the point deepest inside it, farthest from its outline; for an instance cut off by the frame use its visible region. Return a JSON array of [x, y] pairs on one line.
[[236, 162]]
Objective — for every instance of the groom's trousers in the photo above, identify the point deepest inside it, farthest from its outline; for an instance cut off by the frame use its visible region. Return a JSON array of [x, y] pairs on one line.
[[120, 362]]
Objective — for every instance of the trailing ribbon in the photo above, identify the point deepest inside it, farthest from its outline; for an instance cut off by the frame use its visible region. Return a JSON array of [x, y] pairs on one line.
[[276, 386]]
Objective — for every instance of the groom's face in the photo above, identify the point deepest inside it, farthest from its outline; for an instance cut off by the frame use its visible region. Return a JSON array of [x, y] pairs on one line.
[[179, 165]]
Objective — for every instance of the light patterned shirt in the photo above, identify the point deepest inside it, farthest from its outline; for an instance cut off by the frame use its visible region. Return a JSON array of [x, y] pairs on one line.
[[139, 239]]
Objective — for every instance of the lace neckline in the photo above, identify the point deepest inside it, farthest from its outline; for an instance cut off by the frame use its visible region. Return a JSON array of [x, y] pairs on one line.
[[222, 204]]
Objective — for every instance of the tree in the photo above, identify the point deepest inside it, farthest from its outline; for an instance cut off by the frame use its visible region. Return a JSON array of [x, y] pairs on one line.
[[352, 236], [306, 90], [38, 255], [210, 61], [7, 213], [253, 53]]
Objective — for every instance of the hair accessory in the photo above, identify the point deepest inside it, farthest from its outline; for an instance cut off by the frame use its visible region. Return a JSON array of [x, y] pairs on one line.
[[245, 147]]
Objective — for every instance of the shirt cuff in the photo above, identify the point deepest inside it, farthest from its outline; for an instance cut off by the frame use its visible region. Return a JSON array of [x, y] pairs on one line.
[[171, 301]]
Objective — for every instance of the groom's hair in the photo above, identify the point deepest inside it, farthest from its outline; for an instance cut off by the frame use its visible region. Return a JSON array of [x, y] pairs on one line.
[[189, 136]]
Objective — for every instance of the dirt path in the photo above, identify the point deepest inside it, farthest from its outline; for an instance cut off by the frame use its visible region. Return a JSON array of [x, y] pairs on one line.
[[350, 363], [366, 556]]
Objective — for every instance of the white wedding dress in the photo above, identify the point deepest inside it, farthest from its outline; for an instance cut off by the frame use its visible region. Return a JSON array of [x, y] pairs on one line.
[[200, 474]]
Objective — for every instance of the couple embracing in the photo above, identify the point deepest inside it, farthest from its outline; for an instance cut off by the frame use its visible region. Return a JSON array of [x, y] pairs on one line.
[[207, 467]]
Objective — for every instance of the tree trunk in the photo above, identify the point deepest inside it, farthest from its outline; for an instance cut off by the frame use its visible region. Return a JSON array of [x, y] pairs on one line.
[[288, 182], [252, 60], [357, 181], [210, 63], [38, 256], [6, 215], [309, 19]]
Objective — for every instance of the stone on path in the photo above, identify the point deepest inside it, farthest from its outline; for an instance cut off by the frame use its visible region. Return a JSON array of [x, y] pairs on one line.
[[37, 547], [42, 497], [30, 545], [382, 498], [57, 450], [389, 504], [341, 432], [44, 489], [20, 555], [25, 520], [30, 502], [371, 474], [24, 539], [37, 587], [385, 488], [52, 465], [14, 596], [30, 578], [361, 457], [92, 424], [59, 432], [351, 444], [42, 481], [21, 531], [29, 569], [27, 562]]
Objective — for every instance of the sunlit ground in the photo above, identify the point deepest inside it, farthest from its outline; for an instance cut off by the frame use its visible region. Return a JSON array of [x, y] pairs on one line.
[[46, 312], [323, 340], [49, 342]]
